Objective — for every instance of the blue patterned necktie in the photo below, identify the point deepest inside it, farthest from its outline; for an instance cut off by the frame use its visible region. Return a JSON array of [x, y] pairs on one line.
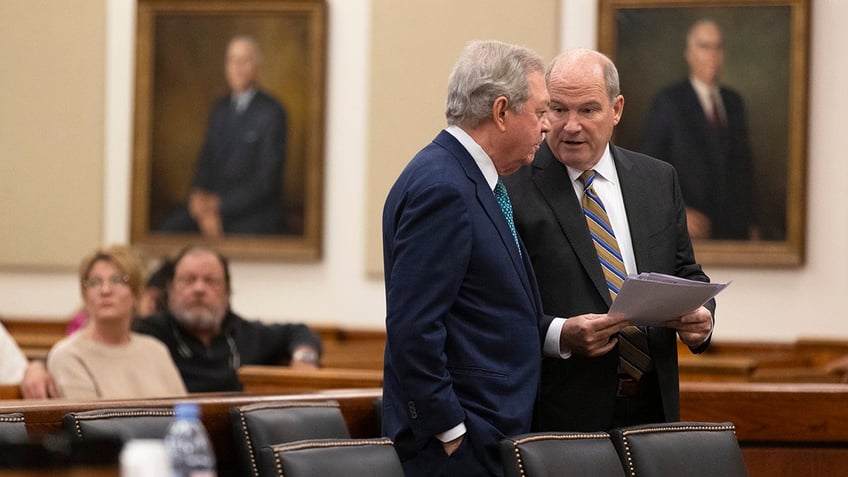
[[633, 341], [506, 207]]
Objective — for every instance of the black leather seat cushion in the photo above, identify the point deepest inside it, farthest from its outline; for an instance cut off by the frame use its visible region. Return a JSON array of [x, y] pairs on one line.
[[691, 449], [125, 424], [12, 428], [570, 454], [265, 424], [333, 458]]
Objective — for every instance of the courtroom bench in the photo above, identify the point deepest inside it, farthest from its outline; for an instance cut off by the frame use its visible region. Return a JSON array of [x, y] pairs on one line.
[[750, 361], [357, 406], [343, 348]]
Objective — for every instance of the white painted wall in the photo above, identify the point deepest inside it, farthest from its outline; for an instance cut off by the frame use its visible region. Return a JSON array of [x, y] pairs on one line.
[[761, 304]]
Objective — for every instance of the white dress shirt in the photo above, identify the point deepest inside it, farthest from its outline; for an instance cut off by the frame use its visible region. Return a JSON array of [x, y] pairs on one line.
[[608, 188]]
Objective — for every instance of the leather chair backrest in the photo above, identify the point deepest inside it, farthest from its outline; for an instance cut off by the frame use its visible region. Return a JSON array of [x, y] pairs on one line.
[[549, 454], [12, 428], [124, 424], [691, 449], [333, 458], [265, 424]]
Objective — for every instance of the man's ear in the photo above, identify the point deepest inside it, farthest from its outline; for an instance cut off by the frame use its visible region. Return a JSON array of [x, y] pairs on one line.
[[499, 111]]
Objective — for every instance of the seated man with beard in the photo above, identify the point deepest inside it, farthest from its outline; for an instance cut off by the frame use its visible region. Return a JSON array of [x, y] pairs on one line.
[[207, 340]]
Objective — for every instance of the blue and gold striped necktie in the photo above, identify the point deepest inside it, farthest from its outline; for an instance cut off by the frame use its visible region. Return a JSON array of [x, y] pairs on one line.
[[633, 341]]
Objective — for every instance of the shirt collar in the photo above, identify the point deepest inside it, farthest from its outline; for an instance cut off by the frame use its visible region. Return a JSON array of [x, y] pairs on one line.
[[244, 97], [605, 168], [702, 89], [483, 161]]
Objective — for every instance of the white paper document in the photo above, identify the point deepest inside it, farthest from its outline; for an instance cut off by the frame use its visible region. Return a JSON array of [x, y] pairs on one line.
[[653, 298]]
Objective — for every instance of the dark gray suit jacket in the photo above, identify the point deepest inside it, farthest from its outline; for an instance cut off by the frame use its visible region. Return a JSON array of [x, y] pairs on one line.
[[578, 394]]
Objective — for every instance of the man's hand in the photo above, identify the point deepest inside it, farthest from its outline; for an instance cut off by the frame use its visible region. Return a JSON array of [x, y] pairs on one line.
[[304, 357], [204, 208], [37, 382], [591, 334], [700, 227], [693, 328], [451, 446]]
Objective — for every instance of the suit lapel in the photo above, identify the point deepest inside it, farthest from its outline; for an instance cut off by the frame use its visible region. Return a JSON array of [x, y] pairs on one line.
[[487, 201], [632, 182], [550, 177]]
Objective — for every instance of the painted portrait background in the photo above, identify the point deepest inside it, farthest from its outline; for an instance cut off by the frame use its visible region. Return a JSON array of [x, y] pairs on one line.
[[649, 50], [188, 78], [180, 75]]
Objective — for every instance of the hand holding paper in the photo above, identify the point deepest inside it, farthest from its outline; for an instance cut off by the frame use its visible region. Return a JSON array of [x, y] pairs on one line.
[[654, 298]]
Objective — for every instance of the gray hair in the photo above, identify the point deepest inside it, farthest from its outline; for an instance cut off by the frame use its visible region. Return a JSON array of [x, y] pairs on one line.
[[610, 72], [485, 71]]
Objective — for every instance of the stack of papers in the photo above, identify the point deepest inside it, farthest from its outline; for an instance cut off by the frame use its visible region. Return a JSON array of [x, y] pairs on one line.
[[653, 298]]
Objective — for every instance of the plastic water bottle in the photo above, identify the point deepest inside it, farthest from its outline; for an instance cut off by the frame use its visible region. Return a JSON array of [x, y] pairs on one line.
[[188, 444]]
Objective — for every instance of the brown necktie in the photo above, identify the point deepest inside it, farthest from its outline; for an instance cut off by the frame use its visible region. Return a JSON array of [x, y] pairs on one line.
[[633, 341]]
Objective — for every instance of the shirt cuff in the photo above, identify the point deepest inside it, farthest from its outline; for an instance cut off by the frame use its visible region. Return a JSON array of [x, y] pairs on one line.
[[452, 433], [552, 347]]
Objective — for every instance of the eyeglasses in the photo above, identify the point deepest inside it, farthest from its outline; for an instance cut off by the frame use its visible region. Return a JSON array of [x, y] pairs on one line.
[[184, 281], [98, 282]]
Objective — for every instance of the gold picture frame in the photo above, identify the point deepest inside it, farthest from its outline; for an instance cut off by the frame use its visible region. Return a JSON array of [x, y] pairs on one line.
[[180, 53], [766, 45]]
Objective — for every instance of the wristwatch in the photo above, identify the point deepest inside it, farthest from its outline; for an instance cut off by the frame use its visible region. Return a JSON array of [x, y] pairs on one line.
[[306, 355]]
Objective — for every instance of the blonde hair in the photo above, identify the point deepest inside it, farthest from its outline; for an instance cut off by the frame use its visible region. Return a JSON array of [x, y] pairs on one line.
[[122, 257]]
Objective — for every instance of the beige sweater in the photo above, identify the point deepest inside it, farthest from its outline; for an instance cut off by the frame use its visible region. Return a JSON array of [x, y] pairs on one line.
[[86, 369]]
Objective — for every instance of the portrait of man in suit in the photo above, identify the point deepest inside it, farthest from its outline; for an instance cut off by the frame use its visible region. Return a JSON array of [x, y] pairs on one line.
[[236, 188], [739, 168], [700, 127], [228, 127]]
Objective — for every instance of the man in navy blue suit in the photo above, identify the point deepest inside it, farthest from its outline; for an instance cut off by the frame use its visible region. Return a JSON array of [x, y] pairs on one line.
[[238, 178], [463, 320], [700, 127]]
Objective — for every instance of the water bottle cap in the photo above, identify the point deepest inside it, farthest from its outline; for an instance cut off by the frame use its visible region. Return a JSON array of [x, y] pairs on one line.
[[187, 410]]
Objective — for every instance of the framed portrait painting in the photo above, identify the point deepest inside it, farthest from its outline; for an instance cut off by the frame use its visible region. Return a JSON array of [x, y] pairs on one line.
[[719, 89], [228, 127]]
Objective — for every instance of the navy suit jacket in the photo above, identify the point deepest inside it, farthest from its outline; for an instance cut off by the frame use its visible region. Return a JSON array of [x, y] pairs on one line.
[[715, 170], [242, 161], [578, 394], [463, 317]]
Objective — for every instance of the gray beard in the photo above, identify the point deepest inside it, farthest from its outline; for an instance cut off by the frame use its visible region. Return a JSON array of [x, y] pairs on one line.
[[206, 320]]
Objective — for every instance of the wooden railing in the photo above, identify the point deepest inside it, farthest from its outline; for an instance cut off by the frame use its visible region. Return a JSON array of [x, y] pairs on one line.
[[259, 380], [783, 429]]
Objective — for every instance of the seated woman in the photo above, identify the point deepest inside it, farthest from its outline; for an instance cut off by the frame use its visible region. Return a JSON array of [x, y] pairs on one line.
[[105, 359]]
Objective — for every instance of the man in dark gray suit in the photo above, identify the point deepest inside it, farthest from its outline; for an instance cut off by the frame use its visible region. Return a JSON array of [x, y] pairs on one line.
[[593, 389]]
